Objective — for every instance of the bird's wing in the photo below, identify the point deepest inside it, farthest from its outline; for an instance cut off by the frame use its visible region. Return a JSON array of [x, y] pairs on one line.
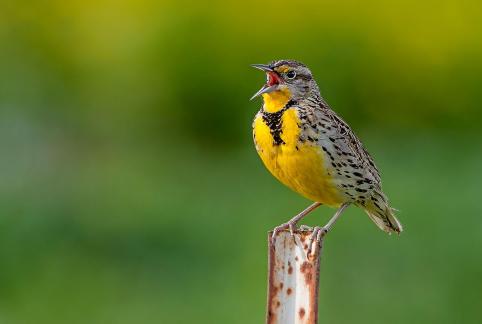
[[340, 134]]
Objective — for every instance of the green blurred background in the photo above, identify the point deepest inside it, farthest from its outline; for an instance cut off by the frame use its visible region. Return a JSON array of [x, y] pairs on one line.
[[131, 191]]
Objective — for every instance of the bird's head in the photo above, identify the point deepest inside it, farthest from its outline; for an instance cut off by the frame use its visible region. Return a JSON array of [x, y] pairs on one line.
[[286, 79]]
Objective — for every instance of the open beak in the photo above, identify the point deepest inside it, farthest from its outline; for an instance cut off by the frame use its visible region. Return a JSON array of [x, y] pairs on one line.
[[272, 82]]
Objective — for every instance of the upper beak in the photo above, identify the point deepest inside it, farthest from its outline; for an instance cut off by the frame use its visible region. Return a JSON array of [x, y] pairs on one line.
[[266, 88], [262, 67]]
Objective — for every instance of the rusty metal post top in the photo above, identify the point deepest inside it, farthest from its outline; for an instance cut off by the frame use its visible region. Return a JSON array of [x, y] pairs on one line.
[[293, 279]]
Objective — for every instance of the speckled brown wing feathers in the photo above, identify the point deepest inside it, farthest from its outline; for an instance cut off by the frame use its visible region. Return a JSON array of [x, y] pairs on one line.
[[349, 163], [345, 134]]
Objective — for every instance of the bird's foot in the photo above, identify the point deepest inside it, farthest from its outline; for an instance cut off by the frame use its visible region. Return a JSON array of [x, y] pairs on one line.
[[291, 225], [317, 235], [304, 227]]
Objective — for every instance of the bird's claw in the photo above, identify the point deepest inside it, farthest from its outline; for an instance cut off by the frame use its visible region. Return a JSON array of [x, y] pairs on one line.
[[305, 228], [288, 225], [318, 234]]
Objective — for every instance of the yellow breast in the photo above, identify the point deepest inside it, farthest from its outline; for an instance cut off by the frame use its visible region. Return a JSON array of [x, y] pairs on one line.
[[298, 166]]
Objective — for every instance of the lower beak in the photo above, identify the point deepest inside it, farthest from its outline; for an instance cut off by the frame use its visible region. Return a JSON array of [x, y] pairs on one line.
[[265, 89]]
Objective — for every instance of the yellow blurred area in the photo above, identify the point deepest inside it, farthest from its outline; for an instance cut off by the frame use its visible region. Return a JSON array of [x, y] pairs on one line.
[[113, 48]]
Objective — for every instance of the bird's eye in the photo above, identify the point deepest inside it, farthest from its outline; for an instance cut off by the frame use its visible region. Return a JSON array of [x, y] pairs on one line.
[[291, 74]]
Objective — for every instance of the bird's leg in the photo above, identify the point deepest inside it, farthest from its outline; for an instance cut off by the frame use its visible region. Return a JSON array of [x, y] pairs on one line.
[[319, 232], [291, 224]]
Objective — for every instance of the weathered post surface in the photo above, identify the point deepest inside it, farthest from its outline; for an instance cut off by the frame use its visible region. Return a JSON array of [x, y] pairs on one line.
[[293, 280]]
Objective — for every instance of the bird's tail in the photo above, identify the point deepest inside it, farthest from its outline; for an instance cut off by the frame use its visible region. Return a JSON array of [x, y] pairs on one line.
[[381, 213]]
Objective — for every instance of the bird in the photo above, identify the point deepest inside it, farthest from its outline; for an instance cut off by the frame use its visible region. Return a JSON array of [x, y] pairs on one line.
[[311, 150]]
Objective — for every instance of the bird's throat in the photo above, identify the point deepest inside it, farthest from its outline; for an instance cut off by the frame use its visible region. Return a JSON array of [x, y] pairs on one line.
[[276, 100]]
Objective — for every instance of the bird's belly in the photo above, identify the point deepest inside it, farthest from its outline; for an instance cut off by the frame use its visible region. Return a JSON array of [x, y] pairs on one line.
[[299, 166]]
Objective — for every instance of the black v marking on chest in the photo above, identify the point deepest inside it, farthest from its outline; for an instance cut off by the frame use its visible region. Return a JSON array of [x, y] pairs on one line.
[[274, 122]]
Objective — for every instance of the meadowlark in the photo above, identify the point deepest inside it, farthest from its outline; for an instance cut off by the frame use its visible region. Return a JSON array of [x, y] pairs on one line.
[[310, 149]]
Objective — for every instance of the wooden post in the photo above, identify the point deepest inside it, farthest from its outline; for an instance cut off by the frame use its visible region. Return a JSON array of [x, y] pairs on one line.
[[293, 280]]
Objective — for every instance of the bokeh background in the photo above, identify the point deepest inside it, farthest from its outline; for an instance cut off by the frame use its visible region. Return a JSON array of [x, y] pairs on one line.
[[130, 190]]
